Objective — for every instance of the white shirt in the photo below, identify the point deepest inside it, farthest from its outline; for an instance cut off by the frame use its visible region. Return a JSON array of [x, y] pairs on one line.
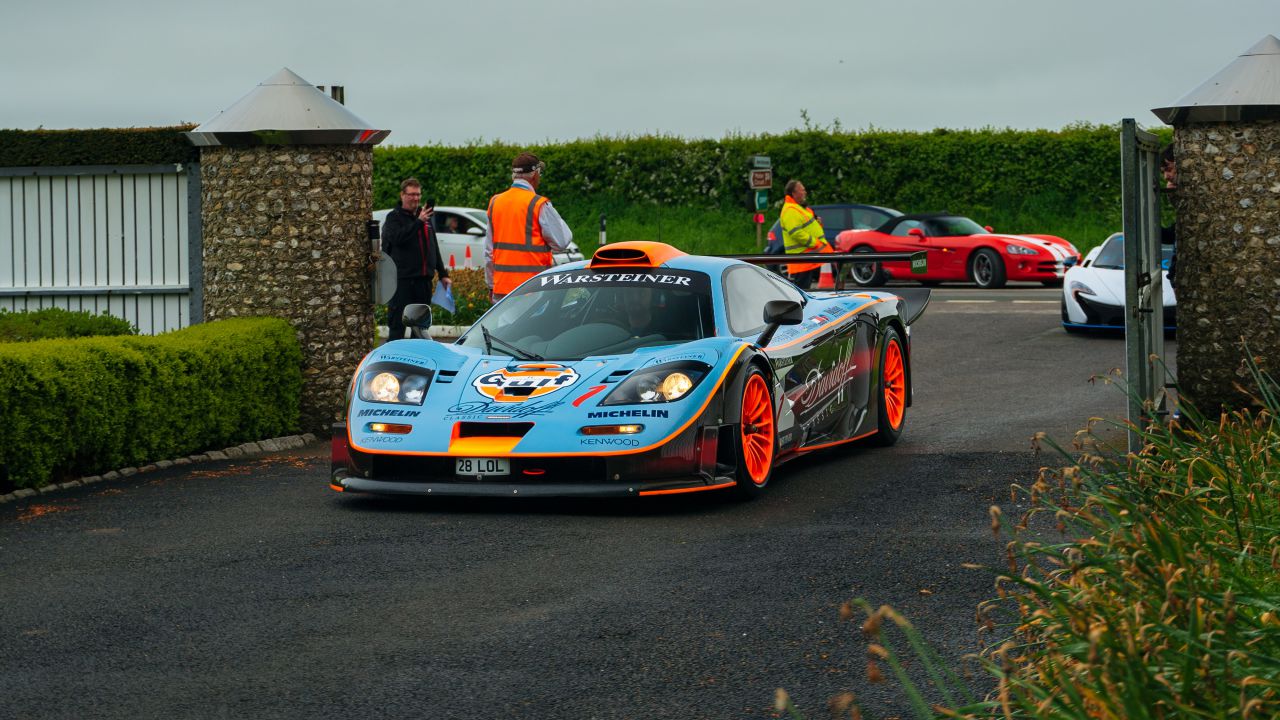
[[555, 232]]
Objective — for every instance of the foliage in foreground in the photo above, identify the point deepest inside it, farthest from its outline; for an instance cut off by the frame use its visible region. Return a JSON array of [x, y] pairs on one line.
[[1164, 601], [58, 323], [77, 407]]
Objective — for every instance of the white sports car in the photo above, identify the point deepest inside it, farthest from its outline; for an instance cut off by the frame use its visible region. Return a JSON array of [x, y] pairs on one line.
[[459, 229], [1093, 291]]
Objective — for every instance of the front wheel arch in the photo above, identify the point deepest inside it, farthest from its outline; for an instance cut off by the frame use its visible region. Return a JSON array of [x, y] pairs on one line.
[[999, 273], [756, 437], [887, 433]]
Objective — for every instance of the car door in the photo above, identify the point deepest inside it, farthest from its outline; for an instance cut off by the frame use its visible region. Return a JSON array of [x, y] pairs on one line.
[[899, 239], [457, 232], [948, 253]]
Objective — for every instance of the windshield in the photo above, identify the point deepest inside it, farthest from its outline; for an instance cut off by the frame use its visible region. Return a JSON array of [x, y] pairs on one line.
[[578, 313], [1111, 256], [954, 226]]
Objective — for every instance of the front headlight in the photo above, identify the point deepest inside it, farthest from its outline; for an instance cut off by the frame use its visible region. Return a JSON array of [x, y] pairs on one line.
[[386, 382], [1020, 250], [661, 383], [1077, 286]]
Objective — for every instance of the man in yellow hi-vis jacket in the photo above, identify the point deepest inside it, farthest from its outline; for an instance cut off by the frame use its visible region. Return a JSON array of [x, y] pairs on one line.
[[801, 233]]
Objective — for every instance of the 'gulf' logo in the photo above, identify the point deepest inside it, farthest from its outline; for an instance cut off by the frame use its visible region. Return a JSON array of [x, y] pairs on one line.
[[524, 382]]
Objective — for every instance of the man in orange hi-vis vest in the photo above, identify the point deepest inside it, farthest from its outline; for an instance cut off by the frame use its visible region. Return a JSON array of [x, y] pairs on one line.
[[524, 229], [801, 233]]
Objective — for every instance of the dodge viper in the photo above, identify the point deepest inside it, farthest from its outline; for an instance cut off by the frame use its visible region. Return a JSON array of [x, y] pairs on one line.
[[642, 371], [959, 250]]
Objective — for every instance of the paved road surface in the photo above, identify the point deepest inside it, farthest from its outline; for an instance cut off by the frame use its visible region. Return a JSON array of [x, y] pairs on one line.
[[248, 589]]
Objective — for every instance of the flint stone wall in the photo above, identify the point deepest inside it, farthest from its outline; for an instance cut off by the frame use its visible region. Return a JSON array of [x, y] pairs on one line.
[[284, 235], [1228, 275]]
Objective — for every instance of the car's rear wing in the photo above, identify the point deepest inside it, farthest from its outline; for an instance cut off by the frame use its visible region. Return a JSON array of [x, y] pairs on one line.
[[914, 301], [918, 260]]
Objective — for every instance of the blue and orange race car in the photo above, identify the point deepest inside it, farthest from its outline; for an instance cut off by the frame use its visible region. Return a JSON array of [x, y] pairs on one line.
[[642, 371]]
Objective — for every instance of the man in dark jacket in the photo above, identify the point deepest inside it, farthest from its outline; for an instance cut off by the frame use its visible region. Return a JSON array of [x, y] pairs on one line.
[[410, 241]]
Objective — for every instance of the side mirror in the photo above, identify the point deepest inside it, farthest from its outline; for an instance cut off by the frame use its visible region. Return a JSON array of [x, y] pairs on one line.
[[987, 228], [477, 231], [418, 317], [778, 313], [916, 233]]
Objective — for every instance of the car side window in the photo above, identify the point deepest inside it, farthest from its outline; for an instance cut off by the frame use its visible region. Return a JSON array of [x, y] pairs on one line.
[[452, 223], [867, 219], [906, 226], [833, 219], [746, 290]]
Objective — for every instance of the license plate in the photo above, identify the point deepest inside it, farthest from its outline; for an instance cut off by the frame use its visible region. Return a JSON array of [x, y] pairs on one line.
[[483, 466]]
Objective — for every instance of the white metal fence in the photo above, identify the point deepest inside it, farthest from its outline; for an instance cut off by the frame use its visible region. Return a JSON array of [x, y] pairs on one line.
[[121, 240]]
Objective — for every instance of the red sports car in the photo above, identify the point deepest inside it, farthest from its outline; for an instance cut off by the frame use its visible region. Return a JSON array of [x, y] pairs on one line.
[[959, 249]]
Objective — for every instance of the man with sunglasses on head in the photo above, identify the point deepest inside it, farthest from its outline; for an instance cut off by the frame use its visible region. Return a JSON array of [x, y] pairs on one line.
[[524, 229], [407, 236]]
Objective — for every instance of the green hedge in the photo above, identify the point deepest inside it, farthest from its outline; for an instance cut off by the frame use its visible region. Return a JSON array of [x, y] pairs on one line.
[[107, 146], [1066, 180], [75, 407], [58, 323]]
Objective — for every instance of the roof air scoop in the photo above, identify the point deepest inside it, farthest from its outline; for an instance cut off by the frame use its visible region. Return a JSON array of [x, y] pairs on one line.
[[634, 253]]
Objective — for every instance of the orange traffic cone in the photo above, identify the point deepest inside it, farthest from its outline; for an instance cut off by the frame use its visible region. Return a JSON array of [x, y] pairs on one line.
[[452, 265], [826, 281], [466, 262]]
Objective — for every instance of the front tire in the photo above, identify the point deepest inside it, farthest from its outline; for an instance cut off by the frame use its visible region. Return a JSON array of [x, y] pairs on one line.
[[866, 274], [891, 396], [987, 269], [757, 435]]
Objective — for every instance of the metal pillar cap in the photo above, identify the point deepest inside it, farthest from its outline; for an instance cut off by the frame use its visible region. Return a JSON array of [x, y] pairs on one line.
[[286, 110], [1247, 89]]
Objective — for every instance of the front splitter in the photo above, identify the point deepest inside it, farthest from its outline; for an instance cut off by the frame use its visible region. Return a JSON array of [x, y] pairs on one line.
[[499, 489]]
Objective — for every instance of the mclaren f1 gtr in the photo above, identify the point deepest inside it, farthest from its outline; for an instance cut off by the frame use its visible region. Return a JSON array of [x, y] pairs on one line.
[[642, 371]]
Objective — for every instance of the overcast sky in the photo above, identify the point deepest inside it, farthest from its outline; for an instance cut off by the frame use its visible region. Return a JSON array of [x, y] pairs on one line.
[[453, 72]]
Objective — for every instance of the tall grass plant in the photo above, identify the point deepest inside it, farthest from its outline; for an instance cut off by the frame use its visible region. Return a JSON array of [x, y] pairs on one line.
[[1137, 585]]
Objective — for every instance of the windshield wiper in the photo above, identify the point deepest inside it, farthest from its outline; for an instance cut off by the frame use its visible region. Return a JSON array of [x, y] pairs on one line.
[[489, 340]]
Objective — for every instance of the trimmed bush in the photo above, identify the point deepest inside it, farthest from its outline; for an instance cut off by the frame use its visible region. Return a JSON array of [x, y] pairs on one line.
[[106, 146], [75, 407], [1064, 182], [59, 323]]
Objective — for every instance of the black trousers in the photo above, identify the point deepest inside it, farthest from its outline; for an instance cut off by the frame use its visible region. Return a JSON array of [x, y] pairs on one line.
[[805, 280], [409, 290]]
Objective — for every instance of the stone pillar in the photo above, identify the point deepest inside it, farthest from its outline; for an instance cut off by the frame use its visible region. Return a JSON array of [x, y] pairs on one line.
[[1228, 274], [285, 235]]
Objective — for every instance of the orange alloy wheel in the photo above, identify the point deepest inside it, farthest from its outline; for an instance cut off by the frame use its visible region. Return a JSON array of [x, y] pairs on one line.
[[895, 386], [757, 429]]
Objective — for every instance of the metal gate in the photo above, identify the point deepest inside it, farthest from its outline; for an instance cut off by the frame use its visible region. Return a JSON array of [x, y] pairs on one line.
[[1145, 369], [123, 240]]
